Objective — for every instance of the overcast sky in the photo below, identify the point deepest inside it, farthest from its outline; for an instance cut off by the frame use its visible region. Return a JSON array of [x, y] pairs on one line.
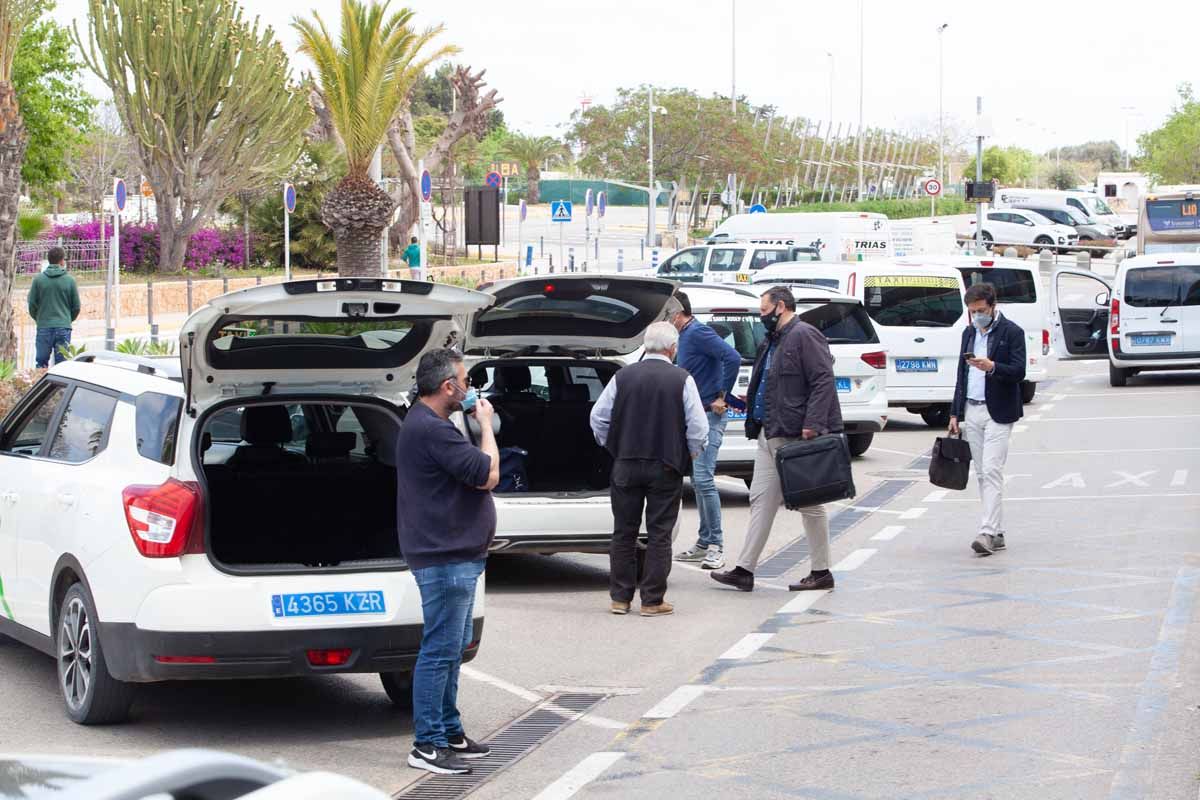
[[1049, 72]]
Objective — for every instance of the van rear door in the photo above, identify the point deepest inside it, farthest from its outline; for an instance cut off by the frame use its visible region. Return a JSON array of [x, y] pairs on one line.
[[1079, 311], [1160, 309]]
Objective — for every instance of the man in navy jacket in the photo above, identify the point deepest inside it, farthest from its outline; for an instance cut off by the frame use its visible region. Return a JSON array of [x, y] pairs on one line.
[[713, 365], [987, 399]]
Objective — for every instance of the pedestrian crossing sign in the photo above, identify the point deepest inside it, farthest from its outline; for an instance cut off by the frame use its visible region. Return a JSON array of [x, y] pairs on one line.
[[560, 210]]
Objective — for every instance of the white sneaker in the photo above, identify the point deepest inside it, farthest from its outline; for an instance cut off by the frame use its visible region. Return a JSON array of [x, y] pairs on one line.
[[714, 559], [693, 553]]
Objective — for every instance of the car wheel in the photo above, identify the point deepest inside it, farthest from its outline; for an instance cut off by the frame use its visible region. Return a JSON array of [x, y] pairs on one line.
[[1043, 241], [1028, 390], [398, 686], [1117, 376], [91, 694], [936, 416], [860, 442], [987, 240]]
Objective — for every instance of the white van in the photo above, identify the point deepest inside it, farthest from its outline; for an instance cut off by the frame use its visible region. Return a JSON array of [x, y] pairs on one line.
[[1092, 205], [918, 311], [923, 236], [732, 263], [837, 235], [1147, 318]]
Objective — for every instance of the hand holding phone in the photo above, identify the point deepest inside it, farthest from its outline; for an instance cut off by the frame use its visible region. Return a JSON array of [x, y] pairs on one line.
[[968, 356]]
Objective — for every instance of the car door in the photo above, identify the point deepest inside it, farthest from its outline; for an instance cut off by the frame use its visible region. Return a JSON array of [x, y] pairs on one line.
[[686, 265], [1079, 311], [1158, 305], [999, 225], [724, 264], [24, 439]]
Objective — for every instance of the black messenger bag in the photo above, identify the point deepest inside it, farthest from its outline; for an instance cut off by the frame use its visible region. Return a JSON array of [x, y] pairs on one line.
[[815, 471], [950, 462]]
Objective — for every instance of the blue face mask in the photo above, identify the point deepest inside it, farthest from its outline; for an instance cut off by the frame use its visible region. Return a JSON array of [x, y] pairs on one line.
[[982, 319], [469, 400]]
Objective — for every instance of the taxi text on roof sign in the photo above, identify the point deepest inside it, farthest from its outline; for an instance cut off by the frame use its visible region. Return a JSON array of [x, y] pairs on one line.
[[931, 281]]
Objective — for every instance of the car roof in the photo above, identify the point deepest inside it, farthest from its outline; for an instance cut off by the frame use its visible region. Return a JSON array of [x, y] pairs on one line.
[[965, 262], [1180, 259], [129, 374]]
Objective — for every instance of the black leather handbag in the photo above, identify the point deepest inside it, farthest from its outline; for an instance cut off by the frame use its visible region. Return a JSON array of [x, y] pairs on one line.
[[815, 471], [950, 462]]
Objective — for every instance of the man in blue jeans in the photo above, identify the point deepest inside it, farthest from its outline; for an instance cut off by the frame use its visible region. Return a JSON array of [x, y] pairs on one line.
[[713, 364], [54, 304], [446, 521]]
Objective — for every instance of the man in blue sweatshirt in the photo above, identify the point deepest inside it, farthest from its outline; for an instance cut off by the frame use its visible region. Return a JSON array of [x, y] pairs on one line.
[[713, 365]]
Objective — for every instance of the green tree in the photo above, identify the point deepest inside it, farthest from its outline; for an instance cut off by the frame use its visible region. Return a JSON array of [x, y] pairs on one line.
[[317, 170], [206, 96], [1064, 178], [15, 17], [57, 111], [532, 152], [1108, 155], [1171, 154], [364, 76], [1010, 166]]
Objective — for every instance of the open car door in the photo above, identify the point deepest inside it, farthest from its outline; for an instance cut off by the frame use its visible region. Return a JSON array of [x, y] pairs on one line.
[[1079, 314]]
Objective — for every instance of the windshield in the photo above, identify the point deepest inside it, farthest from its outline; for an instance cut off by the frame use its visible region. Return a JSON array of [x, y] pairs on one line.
[[842, 323], [1163, 286], [917, 301], [741, 330], [1096, 206], [1012, 285], [1038, 219]]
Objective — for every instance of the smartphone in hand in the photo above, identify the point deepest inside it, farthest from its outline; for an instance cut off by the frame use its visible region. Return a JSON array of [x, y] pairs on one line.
[[968, 356]]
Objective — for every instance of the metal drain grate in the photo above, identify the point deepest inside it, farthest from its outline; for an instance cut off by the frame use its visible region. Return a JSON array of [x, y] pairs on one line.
[[797, 550], [509, 745]]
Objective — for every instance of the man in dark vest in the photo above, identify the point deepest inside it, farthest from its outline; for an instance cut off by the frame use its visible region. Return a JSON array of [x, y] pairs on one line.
[[651, 419]]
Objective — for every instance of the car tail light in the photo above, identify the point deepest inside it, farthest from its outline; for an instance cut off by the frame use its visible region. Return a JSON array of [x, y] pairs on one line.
[[162, 519], [877, 359], [987, 263], [1045, 342], [336, 657], [185, 659], [1114, 317]]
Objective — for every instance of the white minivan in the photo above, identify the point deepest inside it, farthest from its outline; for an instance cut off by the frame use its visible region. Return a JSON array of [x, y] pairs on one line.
[[1089, 203], [1147, 318], [917, 309], [732, 263], [836, 235]]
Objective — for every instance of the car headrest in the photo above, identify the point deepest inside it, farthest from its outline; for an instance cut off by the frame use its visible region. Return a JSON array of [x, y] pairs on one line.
[[510, 380], [571, 393], [266, 425], [330, 445]]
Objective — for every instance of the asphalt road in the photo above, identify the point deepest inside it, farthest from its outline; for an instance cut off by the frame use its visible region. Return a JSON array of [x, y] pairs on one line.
[[1068, 666]]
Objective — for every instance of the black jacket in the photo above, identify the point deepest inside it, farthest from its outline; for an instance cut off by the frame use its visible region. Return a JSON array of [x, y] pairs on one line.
[[1006, 347], [801, 391]]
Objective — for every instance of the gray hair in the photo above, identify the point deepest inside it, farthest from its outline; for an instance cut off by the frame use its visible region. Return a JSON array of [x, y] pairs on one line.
[[661, 337], [436, 367]]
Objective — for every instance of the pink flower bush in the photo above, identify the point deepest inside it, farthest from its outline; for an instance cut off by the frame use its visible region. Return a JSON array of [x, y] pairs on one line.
[[140, 246]]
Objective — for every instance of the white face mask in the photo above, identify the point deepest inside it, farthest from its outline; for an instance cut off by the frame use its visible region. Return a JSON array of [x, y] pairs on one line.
[[982, 319]]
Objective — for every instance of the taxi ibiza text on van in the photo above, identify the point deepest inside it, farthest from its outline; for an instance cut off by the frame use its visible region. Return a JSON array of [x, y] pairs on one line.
[[838, 235]]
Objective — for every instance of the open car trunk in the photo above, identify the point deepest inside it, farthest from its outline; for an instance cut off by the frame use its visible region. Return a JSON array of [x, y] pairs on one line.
[[544, 407], [300, 485]]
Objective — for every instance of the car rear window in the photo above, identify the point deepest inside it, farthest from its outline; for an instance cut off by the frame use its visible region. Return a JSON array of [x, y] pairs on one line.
[[1176, 285], [574, 307], [741, 330], [913, 301], [1012, 285], [842, 323], [156, 424], [311, 343]]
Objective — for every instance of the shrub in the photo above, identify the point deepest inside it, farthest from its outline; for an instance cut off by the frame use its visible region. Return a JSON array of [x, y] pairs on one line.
[[894, 209], [207, 247], [14, 385]]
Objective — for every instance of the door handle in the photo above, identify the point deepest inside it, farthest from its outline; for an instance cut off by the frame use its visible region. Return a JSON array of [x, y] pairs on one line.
[[1170, 321]]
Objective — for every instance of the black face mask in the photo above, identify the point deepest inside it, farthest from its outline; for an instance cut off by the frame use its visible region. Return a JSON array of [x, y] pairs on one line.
[[770, 321]]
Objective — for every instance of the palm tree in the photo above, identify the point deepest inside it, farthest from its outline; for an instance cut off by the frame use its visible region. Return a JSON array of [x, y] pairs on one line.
[[365, 76], [531, 152], [15, 15]]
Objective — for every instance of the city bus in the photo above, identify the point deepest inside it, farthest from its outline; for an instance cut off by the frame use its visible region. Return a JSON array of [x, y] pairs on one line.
[[1170, 222]]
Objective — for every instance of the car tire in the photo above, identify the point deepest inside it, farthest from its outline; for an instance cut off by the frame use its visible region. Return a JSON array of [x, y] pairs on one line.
[[92, 696], [1028, 390], [1043, 241], [860, 442], [1117, 376], [936, 416], [398, 686], [987, 240]]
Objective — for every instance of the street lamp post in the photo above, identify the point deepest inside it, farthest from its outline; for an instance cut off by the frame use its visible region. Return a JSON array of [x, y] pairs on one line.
[[941, 117], [860, 99], [653, 195], [733, 58]]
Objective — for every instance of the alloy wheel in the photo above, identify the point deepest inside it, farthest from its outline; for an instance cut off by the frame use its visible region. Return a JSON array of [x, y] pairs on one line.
[[75, 653]]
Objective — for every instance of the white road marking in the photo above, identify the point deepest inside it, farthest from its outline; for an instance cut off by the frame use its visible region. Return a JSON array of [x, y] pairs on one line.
[[913, 513], [1117, 496], [936, 496], [1179, 478], [675, 702], [803, 602], [875, 449], [854, 560], [1020, 428], [1113, 395], [1044, 408], [747, 646], [1033, 417], [732, 483], [1129, 479], [1072, 479], [579, 776], [1100, 452], [1009, 477], [888, 533], [758, 584], [500, 683], [1057, 397], [1107, 419]]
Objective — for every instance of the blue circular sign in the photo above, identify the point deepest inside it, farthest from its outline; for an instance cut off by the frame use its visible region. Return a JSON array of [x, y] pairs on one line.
[[601, 204], [120, 195], [493, 180], [289, 198], [758, 208], [426, 186], [524, 210], [589, 202]]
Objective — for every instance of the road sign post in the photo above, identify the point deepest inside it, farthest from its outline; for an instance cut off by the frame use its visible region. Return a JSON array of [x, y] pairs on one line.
[[588, 206], [113, 295], [932, 187], [560, 211], [426, 197], [522, 209], [289, 208]]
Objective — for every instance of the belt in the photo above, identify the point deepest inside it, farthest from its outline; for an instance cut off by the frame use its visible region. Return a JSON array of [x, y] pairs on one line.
[[972, 402]]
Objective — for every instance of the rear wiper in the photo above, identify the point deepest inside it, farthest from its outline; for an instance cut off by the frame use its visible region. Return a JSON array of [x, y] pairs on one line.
[[1178, 300]]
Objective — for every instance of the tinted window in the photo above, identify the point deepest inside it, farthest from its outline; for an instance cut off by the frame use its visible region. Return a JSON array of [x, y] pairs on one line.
[[765, 258], [842, 323], [574, 307], [1012, 285], [297, 343], [686, 262], [1163, 286], [156, 425], [742, 332], [31, 432], [726, 260], [226, 425], [918, 301], [83, 428]]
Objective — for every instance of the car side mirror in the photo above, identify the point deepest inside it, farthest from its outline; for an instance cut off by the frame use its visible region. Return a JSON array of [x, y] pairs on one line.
[[1102, 299]]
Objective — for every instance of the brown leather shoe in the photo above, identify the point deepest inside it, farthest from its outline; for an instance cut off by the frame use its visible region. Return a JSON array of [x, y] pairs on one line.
[[812, 582], [618, 607], [661, 610]]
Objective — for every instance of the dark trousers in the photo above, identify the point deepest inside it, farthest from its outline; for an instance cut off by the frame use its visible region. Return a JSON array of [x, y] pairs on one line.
[[48, 342], [657, 489]]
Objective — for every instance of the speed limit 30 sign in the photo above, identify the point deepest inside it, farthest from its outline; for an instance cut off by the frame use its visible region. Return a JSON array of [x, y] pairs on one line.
[[933, 187]]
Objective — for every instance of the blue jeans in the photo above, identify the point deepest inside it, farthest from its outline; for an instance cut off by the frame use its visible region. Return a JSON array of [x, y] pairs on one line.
[[708, 499], [447, 602], [48, 341]]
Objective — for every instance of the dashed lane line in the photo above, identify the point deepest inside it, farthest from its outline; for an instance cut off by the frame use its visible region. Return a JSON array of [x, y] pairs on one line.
[[675, 702], [1179, 478], [803, 602], [855, 560], [534, 697], [1125, 417], [936, 496], [913, 513], [747, 646], [579, 776], [758, 583], [1081, 497], [888, 533]]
